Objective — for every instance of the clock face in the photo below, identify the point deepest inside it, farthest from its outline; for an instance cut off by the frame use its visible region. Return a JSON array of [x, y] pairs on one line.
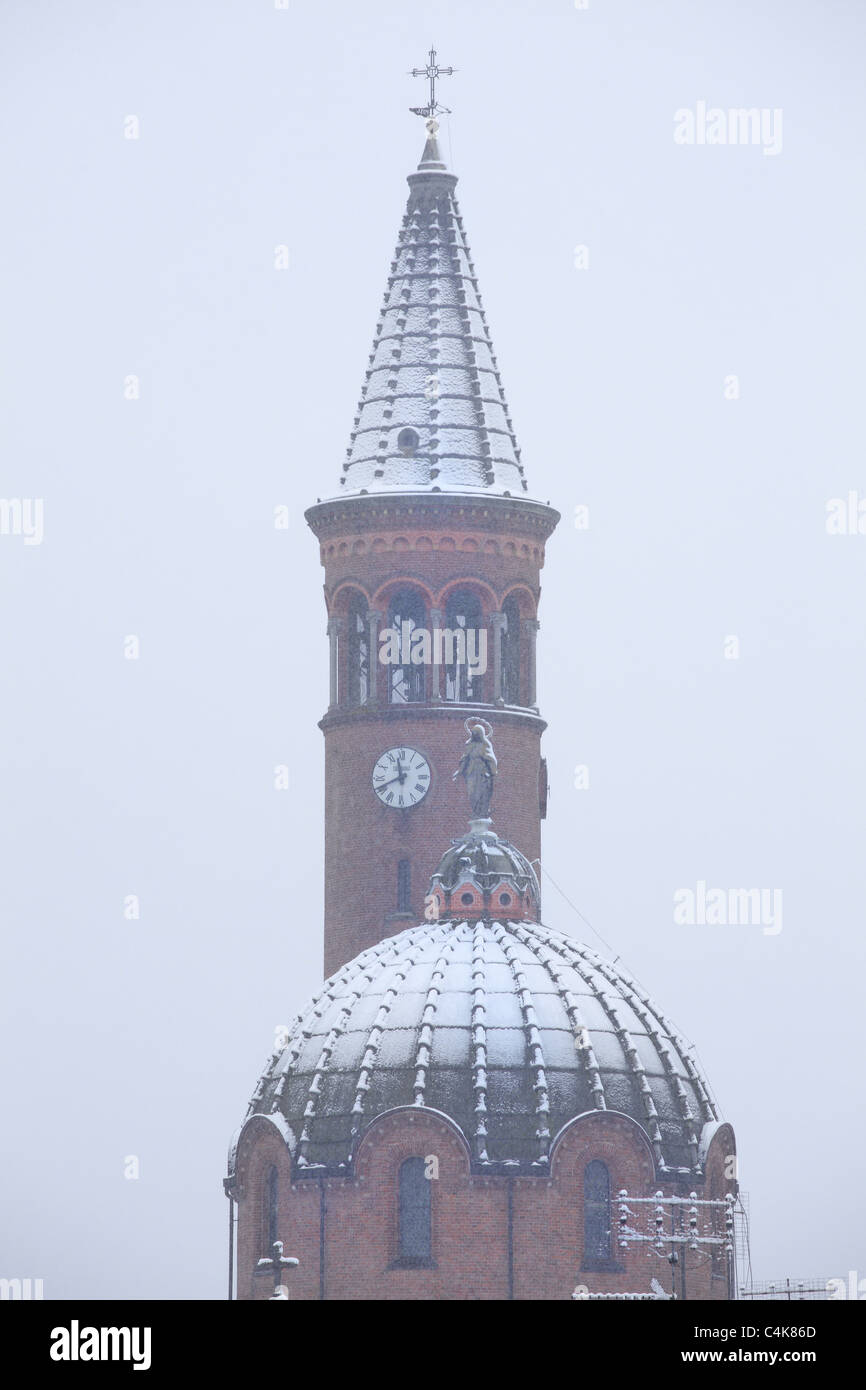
[[401, 777]]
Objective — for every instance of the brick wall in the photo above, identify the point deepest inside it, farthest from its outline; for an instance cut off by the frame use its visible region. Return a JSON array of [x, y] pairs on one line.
[[470, 1217], [365, 840], [495, 547]]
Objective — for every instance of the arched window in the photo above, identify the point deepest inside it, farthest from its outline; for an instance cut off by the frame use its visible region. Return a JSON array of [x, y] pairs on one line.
[[464, 647], [405, 677], [269, 1211], [510, 639], [596, 1214], [415, 1213], [357, 653]]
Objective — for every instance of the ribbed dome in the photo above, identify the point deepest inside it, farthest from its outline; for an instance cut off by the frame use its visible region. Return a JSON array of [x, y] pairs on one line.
[[482, 875], [508, 1028]]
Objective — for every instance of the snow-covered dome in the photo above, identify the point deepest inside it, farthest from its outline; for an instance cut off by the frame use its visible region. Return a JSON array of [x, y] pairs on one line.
[[506, 1027]]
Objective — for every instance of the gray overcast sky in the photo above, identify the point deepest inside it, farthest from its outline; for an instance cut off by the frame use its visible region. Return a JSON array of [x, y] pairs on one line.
[[155, 257]]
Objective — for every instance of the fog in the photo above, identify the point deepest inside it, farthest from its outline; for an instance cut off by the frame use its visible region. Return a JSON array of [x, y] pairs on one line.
[[162, 900]]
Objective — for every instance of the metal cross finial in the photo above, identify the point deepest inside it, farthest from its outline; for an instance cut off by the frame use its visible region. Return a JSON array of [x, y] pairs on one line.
[[431, 72]]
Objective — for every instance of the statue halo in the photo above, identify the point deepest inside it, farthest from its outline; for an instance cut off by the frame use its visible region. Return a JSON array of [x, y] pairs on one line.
[[476, 719]]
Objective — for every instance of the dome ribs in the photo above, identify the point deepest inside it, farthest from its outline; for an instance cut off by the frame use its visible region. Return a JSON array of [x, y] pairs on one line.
[[659, 1031], [582, 1040], [611, 1008], [428, 1015], [662, 1035], [374, 1038], [534, 1048], [296, 1032], [368, 966], [328, 1106], [666, 1034], [316, 1083], [479, 1043]]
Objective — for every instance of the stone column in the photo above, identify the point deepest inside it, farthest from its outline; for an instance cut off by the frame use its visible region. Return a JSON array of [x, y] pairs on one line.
[[435, 692], [335, 632], [530, 629], [374, 617], [497, 622]]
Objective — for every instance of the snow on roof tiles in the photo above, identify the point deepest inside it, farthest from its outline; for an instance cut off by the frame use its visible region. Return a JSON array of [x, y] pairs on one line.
[[432, 412], [509, 1028]]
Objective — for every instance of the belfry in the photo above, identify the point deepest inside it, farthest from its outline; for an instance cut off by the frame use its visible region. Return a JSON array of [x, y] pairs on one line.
[[473, 1106]]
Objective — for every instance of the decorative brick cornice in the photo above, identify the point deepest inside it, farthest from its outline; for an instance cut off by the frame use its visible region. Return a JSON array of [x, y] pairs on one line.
[[516, 516]]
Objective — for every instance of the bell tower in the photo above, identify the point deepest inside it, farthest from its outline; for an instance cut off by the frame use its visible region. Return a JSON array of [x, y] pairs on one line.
[[432, 551]]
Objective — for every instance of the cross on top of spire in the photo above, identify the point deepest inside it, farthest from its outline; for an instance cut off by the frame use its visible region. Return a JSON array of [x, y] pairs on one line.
[[431, 72]]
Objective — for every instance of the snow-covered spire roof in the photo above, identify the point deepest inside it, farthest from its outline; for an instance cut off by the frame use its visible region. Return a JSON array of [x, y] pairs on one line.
[[432, 415]]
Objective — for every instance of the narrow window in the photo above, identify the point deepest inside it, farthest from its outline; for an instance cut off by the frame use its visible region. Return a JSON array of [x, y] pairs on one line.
[[404, 885], [415, 1215], [269, 1225], [596, 1213]]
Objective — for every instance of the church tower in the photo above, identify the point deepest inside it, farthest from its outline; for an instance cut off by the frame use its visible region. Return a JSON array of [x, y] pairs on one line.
[[472, 1106], [432, 551]]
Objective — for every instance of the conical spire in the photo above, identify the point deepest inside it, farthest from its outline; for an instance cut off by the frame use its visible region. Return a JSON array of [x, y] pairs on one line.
[[432, 415], [431, 158]]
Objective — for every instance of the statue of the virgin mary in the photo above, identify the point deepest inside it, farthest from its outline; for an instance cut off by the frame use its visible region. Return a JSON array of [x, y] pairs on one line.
[[478, 766]]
